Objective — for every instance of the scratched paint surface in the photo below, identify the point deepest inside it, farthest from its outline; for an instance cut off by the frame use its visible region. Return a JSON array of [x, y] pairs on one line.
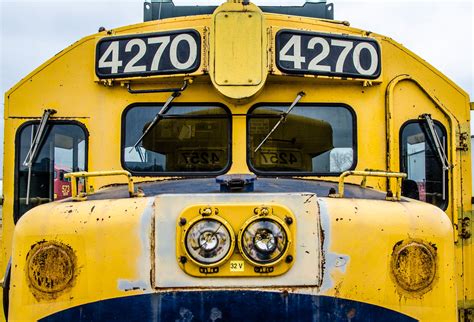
[[306, 271], [228, 306]]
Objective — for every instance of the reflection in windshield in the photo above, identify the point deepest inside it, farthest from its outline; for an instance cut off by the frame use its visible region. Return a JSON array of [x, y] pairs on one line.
[[313, 139], [187, 139]]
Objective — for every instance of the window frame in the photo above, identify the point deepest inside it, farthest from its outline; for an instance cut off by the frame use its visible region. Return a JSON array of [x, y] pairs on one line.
[[175, 174], [400, 156], [16, 189], [302, 174]]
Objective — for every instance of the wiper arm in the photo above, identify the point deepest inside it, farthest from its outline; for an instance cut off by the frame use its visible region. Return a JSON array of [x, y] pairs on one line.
[[282, 119], [439, 149], [160, 114], [33, 151]]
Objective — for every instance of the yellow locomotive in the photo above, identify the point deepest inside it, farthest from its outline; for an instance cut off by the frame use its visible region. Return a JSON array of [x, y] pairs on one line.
[[237, 163]]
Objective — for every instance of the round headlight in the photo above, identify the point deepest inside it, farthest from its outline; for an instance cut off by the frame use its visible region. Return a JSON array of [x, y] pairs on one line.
[[263, 241], [208, 241]]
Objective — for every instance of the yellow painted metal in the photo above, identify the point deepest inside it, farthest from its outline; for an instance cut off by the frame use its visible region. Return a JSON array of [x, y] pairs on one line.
[[365, 174], [67, 83], [236, 218], [234, 46], [454, 130], [83, 174], [366, 234], [111, 245], [238, 66]]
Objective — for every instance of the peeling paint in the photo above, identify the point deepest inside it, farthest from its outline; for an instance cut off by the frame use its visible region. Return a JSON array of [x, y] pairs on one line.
[[126, 285], [332, 261]]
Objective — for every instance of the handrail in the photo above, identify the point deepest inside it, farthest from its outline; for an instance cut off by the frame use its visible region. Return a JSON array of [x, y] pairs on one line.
[[84, 174], [385, 174], [176, 90]]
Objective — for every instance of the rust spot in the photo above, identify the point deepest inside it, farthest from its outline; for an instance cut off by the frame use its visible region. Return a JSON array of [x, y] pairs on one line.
[[152, 247], [51, 269], [351, 313], [413, 266]]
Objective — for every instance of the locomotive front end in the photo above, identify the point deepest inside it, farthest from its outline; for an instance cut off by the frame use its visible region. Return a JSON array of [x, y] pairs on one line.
[[245, 164], [279, 255]]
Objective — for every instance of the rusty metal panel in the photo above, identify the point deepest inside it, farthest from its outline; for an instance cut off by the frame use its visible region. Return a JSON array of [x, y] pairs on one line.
[[307, 267]]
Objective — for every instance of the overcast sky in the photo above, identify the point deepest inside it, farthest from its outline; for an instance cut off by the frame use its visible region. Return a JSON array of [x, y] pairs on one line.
[[441, 32]]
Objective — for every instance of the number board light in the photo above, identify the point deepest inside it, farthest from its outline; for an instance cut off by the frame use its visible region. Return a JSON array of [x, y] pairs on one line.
[[170, 52], [300, 52]]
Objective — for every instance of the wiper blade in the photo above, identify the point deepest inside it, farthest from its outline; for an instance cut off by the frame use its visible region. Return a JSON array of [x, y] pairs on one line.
[[35, 144], [439, 149], [437, 141], [159, 115], [282, 119]]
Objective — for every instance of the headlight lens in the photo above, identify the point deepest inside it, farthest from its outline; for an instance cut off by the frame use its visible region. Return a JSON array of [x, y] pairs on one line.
[[208, 241], [264, 241]]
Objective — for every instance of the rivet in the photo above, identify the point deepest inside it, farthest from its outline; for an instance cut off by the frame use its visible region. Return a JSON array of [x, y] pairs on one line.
[[288, 220], [289, 259], [183, 259], [182, 221]]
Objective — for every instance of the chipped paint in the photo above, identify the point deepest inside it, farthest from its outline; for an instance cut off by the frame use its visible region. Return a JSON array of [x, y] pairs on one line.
[[332, 261], [126, 285], [304, 272], [144, 258]]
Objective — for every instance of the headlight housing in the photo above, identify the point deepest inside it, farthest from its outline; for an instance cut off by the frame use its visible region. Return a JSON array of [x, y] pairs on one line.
[[209, 242], [264, 241]]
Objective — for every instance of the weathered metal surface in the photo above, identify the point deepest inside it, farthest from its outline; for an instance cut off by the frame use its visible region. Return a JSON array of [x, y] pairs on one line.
[[51, 268], [262, 185], [306, 270], [229, 306], [413, 265]]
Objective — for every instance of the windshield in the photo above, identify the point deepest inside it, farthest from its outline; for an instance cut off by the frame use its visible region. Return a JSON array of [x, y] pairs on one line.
[[314, 139], [191, 139]]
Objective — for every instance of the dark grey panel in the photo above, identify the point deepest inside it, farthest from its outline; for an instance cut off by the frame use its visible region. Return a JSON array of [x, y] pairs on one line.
[[163, 10]]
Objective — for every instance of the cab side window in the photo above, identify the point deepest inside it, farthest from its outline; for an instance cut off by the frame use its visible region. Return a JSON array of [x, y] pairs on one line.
[[420, 159], [62, 149]]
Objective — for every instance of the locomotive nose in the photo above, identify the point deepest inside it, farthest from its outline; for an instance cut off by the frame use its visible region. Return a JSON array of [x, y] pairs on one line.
[[231, 235]]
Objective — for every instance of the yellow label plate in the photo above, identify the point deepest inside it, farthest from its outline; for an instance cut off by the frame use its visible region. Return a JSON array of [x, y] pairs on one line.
[[237, 266]]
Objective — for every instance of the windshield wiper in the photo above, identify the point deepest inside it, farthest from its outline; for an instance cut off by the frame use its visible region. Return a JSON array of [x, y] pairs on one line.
[[35, 144], [283, 116], [439, 149], [159, 116]]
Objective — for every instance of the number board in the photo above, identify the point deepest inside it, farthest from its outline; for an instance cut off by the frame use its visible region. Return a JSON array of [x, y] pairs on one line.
[[327, 54], [148, 54]]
